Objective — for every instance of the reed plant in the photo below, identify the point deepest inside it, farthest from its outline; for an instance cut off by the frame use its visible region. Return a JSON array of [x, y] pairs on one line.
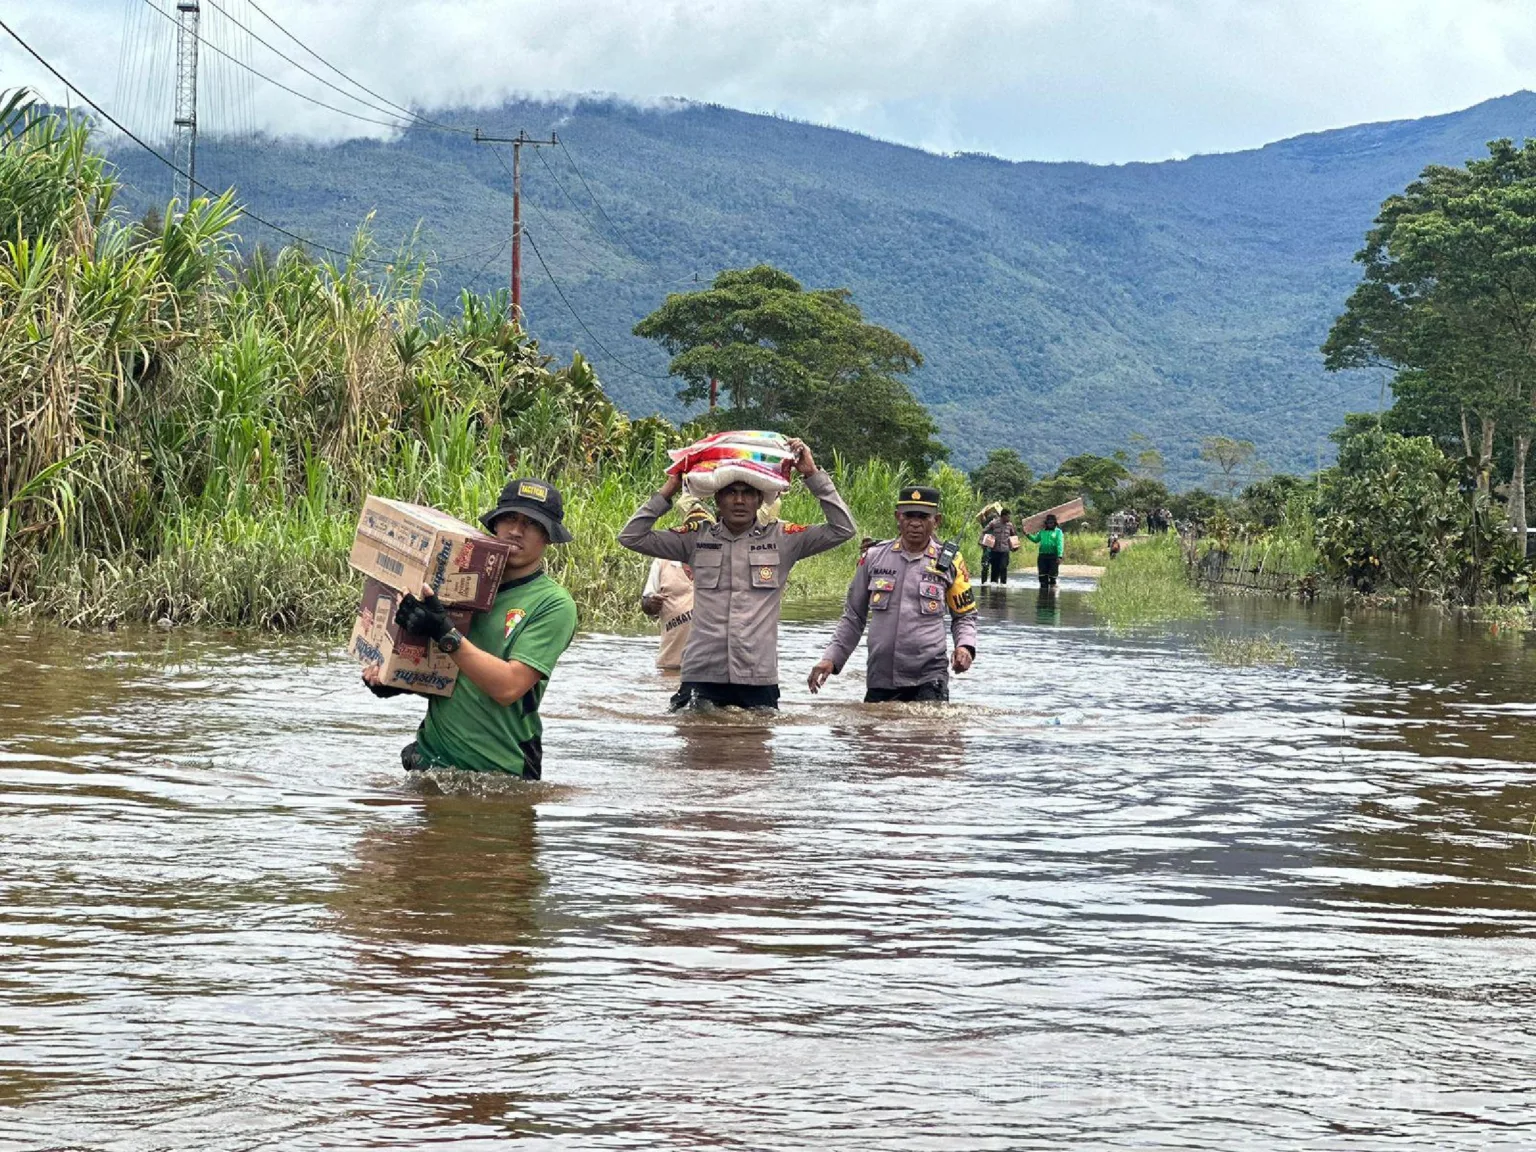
[[190, 430]]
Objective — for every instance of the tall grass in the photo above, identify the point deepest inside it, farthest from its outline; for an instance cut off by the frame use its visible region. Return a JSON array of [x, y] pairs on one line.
[[190, 433], [1146, 585]]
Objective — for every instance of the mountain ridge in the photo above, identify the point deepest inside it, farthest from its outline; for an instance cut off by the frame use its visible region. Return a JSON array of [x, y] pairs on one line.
[[1061, 306]]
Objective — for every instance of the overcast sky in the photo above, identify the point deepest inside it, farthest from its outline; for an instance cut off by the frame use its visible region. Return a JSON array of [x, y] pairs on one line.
[[1096, 80]]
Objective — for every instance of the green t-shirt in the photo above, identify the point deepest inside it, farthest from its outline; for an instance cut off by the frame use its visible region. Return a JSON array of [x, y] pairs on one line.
[[1051, 540], [531, 621]]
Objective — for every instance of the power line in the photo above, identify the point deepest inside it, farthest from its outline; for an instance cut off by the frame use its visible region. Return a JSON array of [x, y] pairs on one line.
[[110, 119], [595, 201], [543, 220], [571, 199], [355, 83], [474, 280], [278, 83], [572, 309]]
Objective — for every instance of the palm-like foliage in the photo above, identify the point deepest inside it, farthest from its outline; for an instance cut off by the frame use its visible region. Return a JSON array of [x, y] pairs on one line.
[[189, 429]]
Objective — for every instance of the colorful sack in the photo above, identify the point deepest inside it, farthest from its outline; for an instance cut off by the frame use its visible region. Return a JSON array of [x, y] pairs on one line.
[[761, 459]]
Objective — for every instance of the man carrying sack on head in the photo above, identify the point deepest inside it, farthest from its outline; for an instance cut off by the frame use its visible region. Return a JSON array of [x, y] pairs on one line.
[[913, 594], [491, 722], [739, 571]]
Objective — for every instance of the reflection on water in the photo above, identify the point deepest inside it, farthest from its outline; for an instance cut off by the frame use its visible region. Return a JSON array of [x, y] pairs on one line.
[[1114, 896]]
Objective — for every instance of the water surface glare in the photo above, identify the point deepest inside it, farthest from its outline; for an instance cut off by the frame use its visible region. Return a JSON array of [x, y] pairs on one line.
[[1115, 896]]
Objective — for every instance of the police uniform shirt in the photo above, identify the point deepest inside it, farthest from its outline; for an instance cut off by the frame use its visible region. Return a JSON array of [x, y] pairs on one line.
[[909, 606], [738, 582]]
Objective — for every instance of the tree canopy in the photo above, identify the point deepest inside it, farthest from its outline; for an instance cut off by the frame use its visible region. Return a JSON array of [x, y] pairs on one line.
[[801, 362], [1004, 477], [1447, 302]]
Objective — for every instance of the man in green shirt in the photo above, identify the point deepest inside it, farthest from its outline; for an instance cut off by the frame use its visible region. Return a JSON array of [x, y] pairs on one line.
[[1053, 543], [491, 722]]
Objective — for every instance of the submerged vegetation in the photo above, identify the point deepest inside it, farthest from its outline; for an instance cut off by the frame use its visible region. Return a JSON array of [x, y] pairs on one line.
[[1148, 584], [190, 431], [1247, 651]]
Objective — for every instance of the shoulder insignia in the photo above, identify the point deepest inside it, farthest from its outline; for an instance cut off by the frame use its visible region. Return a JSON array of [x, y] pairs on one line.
[[682, 529], [792, 528]]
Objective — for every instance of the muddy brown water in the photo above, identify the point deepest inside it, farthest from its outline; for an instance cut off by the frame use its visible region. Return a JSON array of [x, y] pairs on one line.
[[1114, 897]]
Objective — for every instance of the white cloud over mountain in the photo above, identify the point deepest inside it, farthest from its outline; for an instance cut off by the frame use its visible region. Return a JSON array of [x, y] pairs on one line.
[[1098, 80]]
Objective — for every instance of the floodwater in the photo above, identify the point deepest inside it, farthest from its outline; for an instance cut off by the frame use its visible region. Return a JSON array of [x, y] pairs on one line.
[[1116, 896]]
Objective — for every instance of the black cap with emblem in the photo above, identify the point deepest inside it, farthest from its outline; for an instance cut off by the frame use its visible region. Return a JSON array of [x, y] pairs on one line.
[[538, 500], [918, 498]]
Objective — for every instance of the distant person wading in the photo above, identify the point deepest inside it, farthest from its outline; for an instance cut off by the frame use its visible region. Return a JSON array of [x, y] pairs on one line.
[[998, 540], [1052, 544]]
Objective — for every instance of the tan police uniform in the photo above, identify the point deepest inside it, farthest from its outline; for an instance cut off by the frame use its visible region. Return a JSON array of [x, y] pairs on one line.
[[738, 583], [912, 608]]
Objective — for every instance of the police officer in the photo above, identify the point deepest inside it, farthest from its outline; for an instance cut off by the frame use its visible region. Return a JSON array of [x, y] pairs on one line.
[[904, 589], [739, 571]]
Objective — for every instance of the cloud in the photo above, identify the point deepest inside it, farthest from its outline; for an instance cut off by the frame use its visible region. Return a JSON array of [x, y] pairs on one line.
[[1101, 80]]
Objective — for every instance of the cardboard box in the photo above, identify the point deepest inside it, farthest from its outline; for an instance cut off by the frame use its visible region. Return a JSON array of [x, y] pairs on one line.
[[1071, 510], [405, 546], [404, 659]]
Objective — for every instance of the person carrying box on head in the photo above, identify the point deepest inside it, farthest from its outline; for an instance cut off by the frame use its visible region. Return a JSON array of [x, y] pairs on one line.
[[740, 568], [491, 721]]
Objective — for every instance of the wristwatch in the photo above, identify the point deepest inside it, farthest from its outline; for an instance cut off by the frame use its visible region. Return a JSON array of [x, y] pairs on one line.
[[450, 640]]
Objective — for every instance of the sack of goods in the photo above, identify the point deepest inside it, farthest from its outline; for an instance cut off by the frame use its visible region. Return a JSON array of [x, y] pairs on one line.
[[761, 459]]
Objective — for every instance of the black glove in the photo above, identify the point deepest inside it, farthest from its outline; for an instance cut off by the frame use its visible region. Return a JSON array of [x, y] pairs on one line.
[[383, 691], [427, 617]]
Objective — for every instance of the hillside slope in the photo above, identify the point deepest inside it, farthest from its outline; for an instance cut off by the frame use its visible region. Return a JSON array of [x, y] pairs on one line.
[[1061, 307]]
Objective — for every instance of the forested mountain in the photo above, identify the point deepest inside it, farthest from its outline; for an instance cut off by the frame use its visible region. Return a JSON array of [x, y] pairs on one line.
[[1061, 307]]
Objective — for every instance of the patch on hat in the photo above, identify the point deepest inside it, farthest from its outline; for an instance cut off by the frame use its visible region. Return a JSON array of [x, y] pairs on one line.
[[533, 490], [916, 495]]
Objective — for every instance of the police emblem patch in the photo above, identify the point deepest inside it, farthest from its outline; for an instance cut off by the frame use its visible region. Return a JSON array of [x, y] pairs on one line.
[[765, 573], [514, 618]]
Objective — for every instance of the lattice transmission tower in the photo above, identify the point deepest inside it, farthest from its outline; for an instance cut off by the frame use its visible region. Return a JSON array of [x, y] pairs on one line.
[[188, 13]]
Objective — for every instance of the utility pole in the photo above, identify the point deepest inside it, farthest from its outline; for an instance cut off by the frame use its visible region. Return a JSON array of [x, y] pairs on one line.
[[517, 143], [188, 13]]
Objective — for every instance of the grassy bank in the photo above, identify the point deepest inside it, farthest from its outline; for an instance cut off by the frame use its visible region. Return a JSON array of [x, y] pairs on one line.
[[1148, 584], [190, 432]]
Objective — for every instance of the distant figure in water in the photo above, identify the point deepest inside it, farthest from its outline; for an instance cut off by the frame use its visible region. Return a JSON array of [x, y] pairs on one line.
[[998, 540], [1052, 545]]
